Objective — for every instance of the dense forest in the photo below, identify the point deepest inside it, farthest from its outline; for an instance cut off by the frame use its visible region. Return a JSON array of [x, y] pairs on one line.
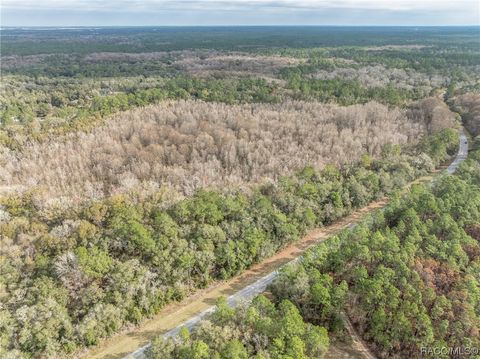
[[408, 277], [190, 145], [139, 165]]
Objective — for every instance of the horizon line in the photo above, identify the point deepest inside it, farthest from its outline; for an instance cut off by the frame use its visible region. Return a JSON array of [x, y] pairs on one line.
[[236, 25]]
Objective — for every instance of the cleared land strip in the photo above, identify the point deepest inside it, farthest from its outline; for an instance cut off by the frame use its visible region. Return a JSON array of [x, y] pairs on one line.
[[243, 287], [358, 343]]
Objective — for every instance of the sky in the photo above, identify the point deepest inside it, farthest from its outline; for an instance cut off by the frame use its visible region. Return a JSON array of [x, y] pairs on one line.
[[238, 12]]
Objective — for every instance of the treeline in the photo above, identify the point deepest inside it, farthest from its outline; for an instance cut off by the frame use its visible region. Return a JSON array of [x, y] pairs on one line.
[[60, 65], [240, 91], [408, 277], [345, 77], [348, 92], [243, 90], [252, 39], [73, 277], [202, 63], [47, 114], [371, 76], [458, 62]]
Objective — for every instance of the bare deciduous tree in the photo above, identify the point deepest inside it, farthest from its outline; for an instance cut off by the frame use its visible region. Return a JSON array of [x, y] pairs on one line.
[[189, 144]]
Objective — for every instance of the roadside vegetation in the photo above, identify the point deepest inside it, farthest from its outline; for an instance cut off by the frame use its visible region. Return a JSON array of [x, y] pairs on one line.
[[261, 330]]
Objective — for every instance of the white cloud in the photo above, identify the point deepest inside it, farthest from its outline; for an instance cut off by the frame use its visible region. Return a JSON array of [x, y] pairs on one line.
[[234, 12], [222, 5]]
